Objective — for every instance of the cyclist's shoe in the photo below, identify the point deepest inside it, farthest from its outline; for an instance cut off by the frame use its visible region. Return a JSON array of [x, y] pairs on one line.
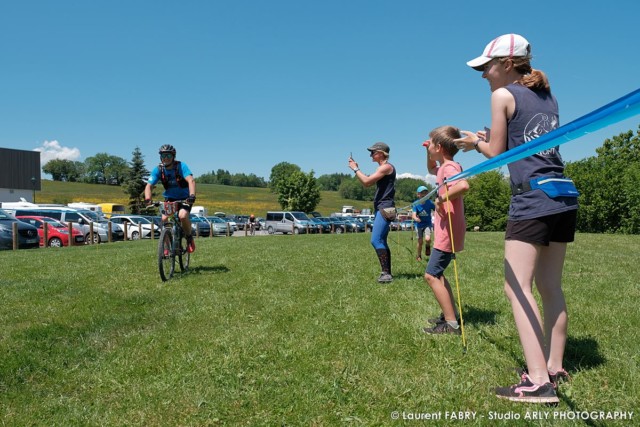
[[166, 252], [527, 391], [191, 244]]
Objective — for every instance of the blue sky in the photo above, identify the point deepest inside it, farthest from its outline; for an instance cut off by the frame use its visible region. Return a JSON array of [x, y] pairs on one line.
[[244, 85]]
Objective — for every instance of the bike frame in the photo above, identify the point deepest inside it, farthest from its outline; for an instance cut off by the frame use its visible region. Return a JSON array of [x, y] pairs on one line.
[[172, 242]]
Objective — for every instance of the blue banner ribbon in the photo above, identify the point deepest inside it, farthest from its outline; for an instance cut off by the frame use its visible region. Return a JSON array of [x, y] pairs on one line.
[[614, 112]]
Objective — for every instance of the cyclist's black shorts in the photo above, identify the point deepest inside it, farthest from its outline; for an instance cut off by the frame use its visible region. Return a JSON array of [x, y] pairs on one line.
[[181, 205]]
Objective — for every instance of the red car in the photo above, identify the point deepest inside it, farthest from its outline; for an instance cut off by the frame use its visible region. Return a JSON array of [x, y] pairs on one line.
[[57, 232]]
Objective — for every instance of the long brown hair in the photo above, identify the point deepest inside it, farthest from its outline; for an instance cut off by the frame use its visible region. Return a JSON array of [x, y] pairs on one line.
[[531, 78]]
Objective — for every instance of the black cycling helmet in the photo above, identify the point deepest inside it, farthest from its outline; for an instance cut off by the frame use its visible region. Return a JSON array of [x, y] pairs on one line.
[[167, 148]]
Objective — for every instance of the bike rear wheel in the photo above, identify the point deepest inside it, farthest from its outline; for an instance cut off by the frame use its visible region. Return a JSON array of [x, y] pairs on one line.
[[166, 255]]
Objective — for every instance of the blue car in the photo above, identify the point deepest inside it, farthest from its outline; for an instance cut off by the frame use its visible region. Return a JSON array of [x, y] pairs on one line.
[[27, 234]]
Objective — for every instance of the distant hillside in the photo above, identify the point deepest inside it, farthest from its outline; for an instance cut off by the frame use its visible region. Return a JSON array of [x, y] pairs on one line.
[[224, 198]]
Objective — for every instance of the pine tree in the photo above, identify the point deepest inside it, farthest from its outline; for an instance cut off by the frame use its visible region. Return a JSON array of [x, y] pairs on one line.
[[135, 182]]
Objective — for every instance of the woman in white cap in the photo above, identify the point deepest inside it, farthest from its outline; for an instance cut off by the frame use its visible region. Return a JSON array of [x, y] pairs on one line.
[[383, 203], [542, 216]]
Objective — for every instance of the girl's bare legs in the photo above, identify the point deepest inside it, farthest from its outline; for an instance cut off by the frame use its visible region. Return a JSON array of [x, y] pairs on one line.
[[520, 263], [548, 277]]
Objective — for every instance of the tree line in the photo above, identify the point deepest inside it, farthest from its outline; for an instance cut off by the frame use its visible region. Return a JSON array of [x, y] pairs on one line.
[[608, 185]]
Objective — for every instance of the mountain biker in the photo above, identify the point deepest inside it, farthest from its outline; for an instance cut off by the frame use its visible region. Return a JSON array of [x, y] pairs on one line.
[[178, 183], [251, 222]]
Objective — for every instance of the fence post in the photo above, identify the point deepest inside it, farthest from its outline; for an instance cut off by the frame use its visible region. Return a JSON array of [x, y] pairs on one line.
[[109, 231], [126, 237], [14, 228], [91, 232], [70, 226], [152, 229], [45, 234], [140, 230]]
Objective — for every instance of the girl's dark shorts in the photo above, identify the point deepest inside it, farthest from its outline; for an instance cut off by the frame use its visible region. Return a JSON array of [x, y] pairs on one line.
[[559, 228]]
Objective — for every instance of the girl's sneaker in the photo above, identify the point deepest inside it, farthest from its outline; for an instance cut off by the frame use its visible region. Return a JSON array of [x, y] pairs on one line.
[[527, 391], [561, 376]]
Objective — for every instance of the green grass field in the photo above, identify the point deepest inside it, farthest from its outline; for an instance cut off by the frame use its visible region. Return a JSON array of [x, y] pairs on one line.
[[295, 330]]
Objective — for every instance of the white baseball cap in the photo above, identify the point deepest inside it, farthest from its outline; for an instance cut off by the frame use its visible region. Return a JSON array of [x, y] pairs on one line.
[[507, 45]]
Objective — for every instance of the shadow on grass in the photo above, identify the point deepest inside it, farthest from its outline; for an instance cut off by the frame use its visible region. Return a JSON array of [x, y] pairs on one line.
[[582, 353], [478, 316], [215, 269], [409, 276]]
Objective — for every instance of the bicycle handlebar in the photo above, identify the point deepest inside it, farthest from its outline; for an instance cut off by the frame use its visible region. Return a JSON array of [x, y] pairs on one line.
[[158, 203]]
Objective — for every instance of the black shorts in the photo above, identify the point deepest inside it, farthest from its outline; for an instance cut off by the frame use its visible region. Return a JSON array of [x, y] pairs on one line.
[[560, 228], [181, 206]]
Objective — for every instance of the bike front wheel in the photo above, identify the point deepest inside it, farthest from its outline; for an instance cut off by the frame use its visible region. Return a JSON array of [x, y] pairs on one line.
[[166, 255], [184, 256]]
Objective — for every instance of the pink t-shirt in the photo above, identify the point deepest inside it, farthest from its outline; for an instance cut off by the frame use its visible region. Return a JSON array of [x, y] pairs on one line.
[[441, 224]]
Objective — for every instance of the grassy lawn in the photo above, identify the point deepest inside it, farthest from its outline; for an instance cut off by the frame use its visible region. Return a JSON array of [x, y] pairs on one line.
[[295, 330]]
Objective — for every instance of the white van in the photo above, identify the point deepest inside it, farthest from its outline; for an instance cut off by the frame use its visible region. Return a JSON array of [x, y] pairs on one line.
[[90, 206], [199, 211], [288, 222]]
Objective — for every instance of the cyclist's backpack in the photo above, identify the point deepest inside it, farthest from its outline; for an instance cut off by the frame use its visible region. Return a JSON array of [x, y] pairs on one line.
[[182, 183]]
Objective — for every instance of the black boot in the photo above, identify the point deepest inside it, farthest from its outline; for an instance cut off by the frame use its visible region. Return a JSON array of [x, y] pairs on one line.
[[384, 256]]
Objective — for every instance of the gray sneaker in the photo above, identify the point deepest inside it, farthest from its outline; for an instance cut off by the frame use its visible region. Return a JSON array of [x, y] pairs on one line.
[[385, 278], [440, 319], [442, 328]]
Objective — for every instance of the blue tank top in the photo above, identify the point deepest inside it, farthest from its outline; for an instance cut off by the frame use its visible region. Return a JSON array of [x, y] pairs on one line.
[[535, 114], [385, 191]]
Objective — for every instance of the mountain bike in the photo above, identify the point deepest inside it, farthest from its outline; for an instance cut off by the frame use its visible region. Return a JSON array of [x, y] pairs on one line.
[[172, 243], [252, 228]]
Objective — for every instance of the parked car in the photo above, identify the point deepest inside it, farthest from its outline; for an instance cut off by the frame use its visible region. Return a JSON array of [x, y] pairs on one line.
[[57, 232], [155, 219], [339, 226], [27, 234], [367, 220], [232, 223], [322, 225], [241, 221], [200, 226], [288, 222], [219, 226], [353, 225], [407, 224], [133, 224]]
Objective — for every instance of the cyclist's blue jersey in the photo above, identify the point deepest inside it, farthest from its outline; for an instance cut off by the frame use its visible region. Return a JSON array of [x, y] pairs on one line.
[[172, 190]]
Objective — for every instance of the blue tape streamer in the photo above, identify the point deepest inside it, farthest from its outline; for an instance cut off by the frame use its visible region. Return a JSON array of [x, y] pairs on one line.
[[614, 112]]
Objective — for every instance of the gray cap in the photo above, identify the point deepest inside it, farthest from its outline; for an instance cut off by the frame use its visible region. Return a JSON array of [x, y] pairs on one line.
[[379, 146]]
